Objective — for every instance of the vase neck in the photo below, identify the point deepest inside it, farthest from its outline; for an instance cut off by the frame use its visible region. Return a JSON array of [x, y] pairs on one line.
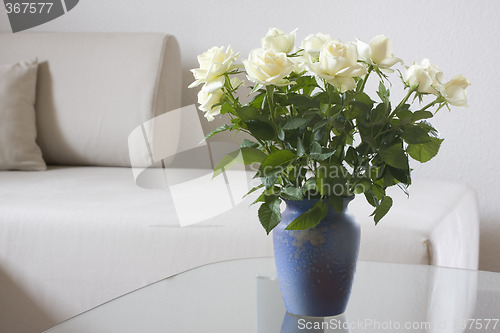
[[306, 204]]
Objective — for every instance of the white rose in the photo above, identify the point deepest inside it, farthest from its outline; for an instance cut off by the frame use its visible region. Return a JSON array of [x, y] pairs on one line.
[[312, 44], [278, 41], [427, 76], [207, 100], [209, 96], [455, 93], [213, 64], [299, 64], [378, 52], [265, 66], [338, 65]]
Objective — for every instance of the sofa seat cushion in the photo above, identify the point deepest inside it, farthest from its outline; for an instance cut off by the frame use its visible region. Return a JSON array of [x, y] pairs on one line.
[[72, 238]]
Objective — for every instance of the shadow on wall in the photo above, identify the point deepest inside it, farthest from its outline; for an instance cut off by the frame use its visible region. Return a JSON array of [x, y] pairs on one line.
[[18, 313]]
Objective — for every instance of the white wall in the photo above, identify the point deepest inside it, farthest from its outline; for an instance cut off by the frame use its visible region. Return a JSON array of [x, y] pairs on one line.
[[460, 36]]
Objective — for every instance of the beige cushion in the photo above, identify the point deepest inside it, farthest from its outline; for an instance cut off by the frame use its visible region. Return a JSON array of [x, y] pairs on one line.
[[18, 148], [95, 88]]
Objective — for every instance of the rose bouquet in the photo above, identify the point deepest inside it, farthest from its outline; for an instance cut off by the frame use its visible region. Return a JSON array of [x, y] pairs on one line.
[[315, 132]]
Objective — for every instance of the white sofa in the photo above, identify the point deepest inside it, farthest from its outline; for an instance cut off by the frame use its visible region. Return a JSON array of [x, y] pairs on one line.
[[83, 232]]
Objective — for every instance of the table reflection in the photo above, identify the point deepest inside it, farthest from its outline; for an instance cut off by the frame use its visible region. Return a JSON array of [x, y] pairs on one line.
[[399, 297]]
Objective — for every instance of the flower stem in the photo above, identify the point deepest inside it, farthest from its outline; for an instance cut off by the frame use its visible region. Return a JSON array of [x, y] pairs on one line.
[[393, 113], [400, 105], [272, 111], [362, 87], [438, 100], [269, 95], [428, 105]]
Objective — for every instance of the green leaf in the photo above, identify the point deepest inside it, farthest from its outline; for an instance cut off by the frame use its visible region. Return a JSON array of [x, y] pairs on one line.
[[292, 193], [401, 175], [245, 155], [404, 114], [226, 162], [353, 112], [395, 156], [226, 108], [382, 209], [269, 213], [258, 100], [319, 134], [256, 188], [274, 162], [300, 147], [337, 203], [388, 179], [371, 198], [257, 87], [300, 101], [323, 108], [281, 135], [334, 110], [318, 153], [217, 130], [379, 192], [268, 181], [294, 123], [247, 113], [248, 143], [310, 186], [383, 93], [319, 124], [310, 218], [380, 114], [362, 186], [419, 115], [260, 130], [361, 98], [331, 179], [426, 151], [415, 135], [261, 198], [296, 173], [351, 157], [252, 155], [429, 128], [307, 83], [329, 98], [315, 148]]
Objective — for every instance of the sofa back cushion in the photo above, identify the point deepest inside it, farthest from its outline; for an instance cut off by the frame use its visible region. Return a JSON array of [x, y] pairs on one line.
[[93, 89], [18, 148]]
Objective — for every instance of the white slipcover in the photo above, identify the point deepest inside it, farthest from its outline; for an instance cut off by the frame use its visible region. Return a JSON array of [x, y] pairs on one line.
[[75, 237]]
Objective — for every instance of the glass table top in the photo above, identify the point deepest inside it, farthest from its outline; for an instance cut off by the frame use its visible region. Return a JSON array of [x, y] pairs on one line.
[[243, 296]]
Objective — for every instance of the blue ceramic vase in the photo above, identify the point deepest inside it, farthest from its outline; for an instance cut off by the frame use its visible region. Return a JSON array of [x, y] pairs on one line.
[[316, 266]]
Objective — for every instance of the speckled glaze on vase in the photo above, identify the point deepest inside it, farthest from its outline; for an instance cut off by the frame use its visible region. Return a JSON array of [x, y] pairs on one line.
[[316, 266]]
